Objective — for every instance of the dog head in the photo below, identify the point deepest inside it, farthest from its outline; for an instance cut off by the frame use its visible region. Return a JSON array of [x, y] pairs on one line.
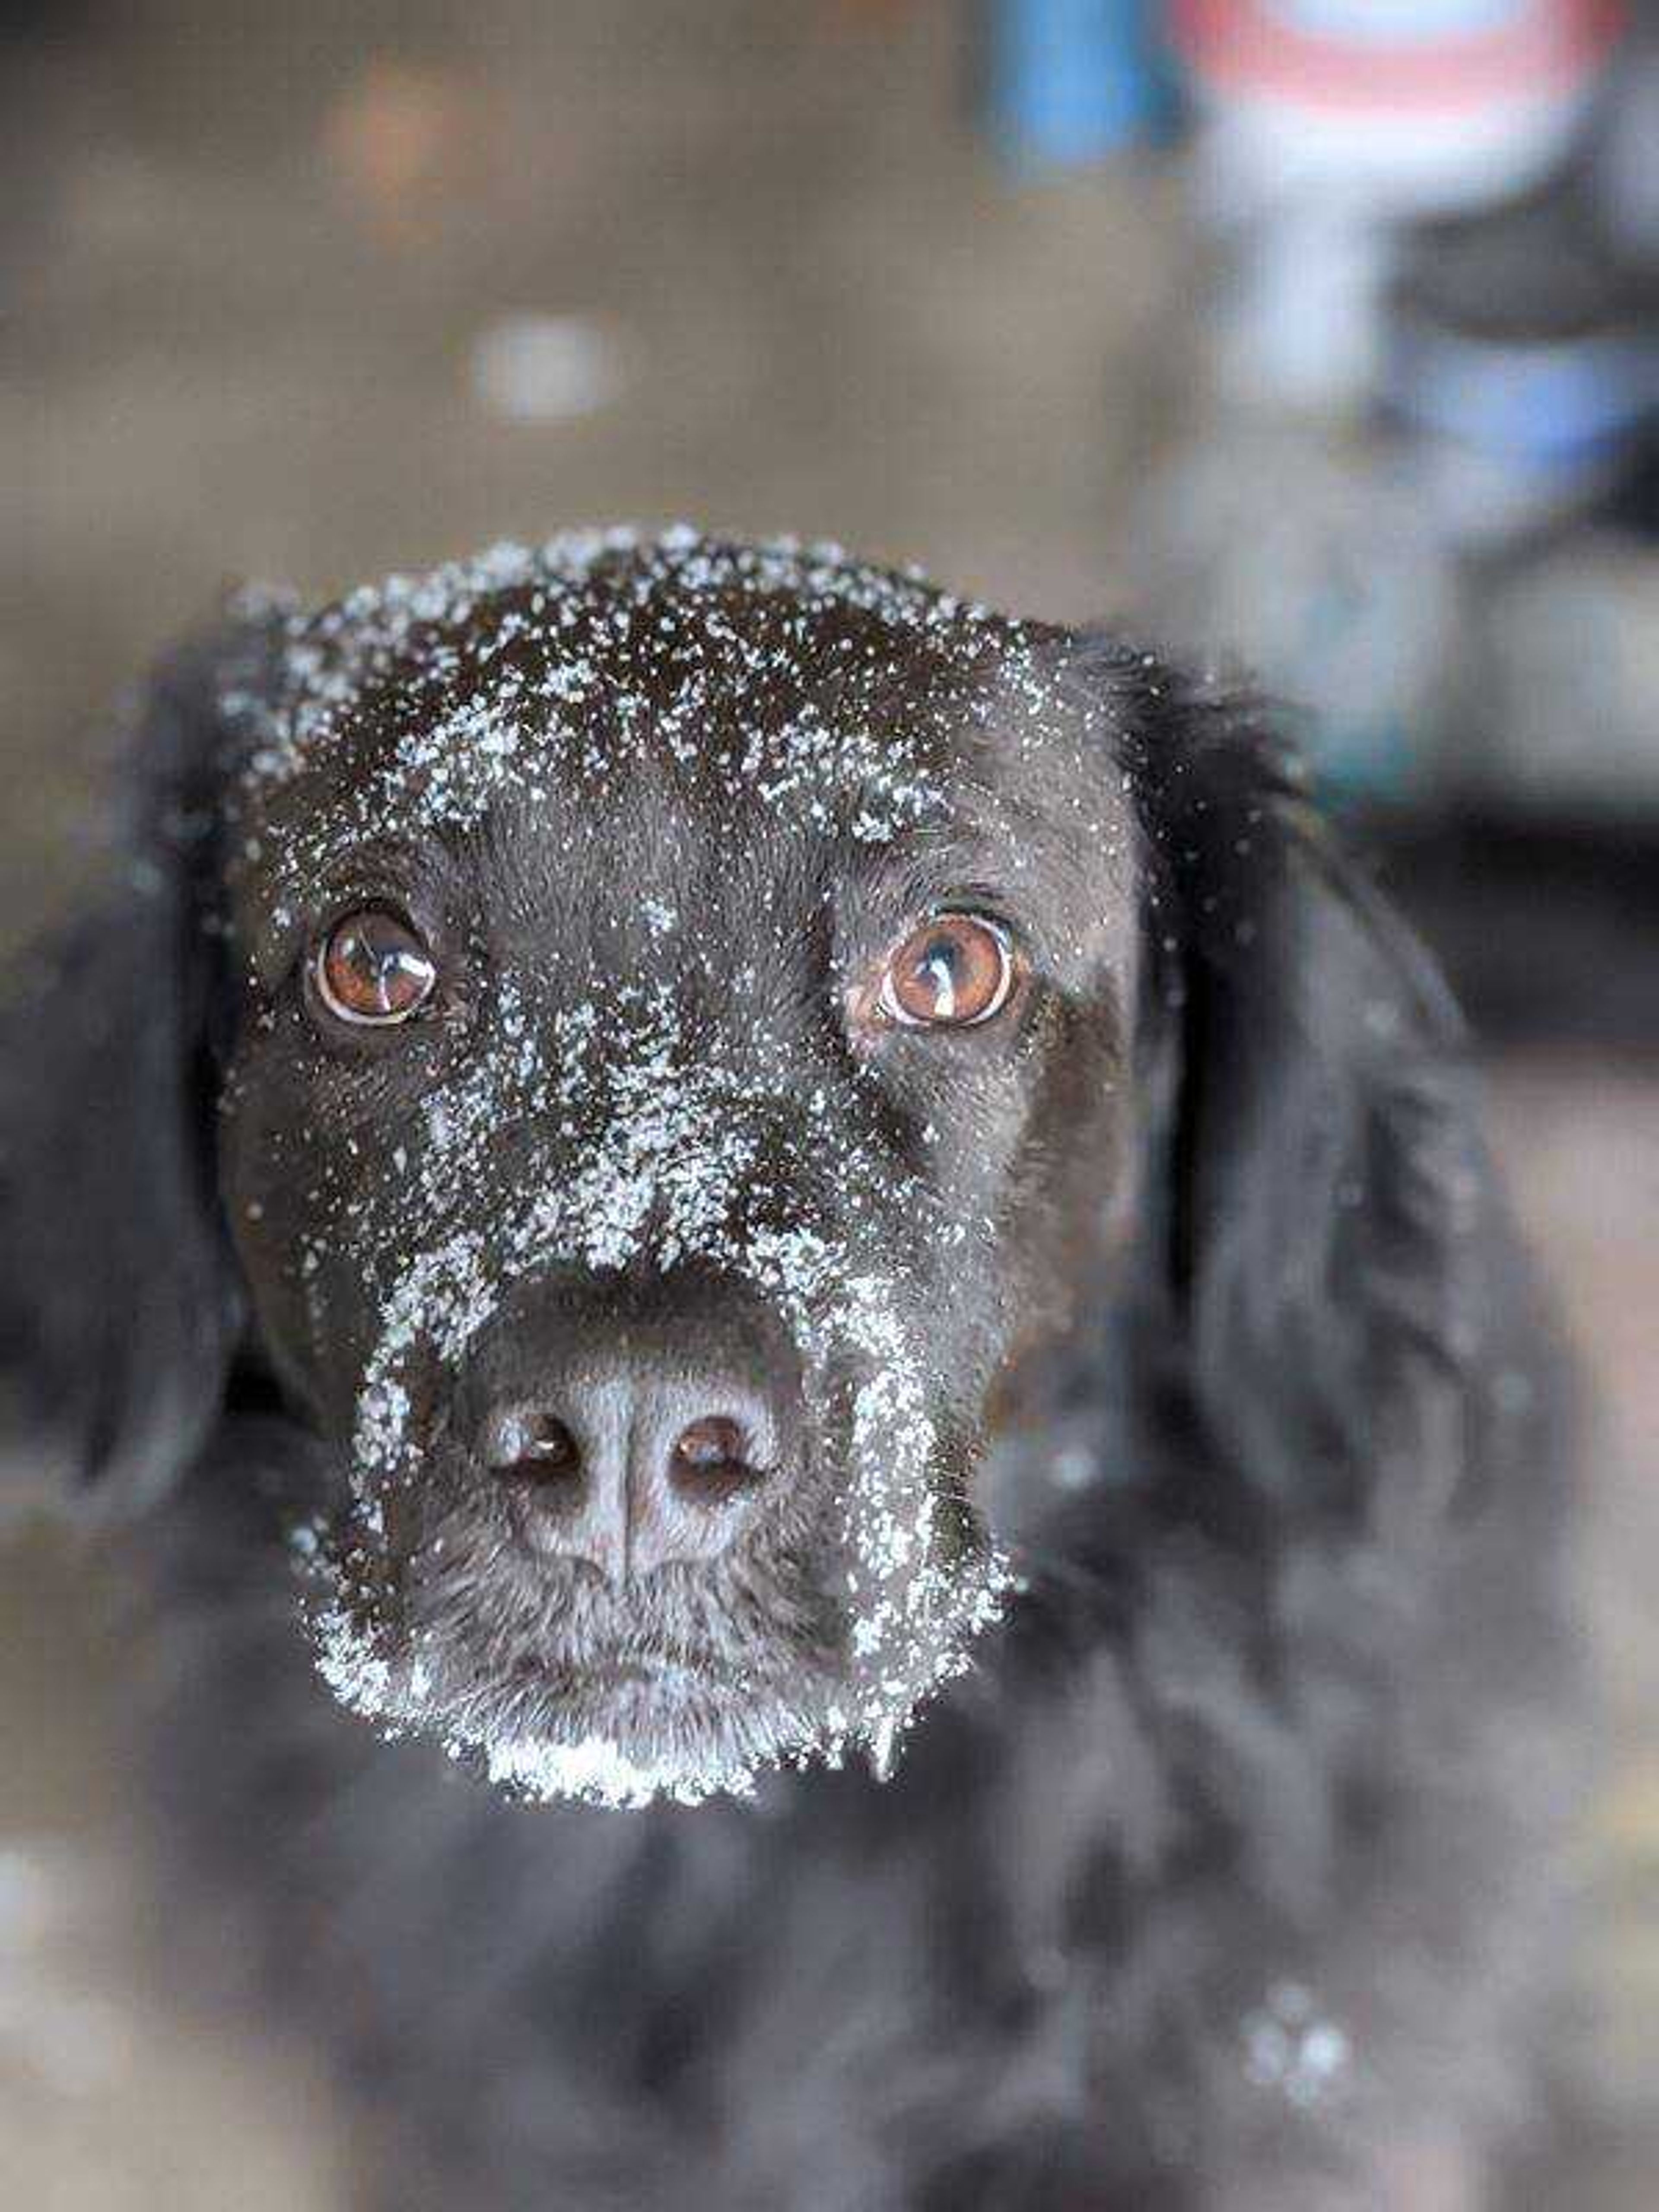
[[673, 1059]]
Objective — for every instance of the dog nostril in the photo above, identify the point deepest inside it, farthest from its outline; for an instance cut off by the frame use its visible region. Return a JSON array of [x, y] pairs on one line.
[[713, 1443], [710, 1459], [535, 1445]]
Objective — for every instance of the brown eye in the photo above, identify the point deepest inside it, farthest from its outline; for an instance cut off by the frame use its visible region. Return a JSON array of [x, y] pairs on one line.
[[953, 972], [374, 969]]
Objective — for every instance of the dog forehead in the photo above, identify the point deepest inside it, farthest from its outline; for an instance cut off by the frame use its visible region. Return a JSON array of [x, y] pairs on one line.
[[826, 692]]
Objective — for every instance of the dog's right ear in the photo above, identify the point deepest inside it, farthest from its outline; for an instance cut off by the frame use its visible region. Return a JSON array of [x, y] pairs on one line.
[[118, 1303]]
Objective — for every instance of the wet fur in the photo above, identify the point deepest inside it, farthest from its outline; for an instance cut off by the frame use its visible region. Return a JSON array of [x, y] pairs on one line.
[[1226, 1878]]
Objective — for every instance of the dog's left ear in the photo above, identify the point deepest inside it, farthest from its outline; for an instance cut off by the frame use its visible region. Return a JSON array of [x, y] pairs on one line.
[[1323, 1233], [118, 1306]]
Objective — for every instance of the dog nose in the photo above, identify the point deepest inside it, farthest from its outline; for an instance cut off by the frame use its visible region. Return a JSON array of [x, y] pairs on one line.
[[632, 1470]]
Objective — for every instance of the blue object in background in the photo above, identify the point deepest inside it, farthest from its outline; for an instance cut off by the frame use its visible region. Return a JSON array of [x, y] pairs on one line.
[[1072, 81]]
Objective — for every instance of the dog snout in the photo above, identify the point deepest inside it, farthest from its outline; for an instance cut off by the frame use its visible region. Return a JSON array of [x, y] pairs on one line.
[[636, 1465]]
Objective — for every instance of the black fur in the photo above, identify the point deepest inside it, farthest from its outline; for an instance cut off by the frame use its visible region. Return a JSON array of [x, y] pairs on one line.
[[1226, 1874]]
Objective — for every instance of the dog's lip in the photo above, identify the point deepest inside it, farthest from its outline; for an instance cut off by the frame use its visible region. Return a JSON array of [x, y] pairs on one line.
[[617, 1674], [614, 1674]]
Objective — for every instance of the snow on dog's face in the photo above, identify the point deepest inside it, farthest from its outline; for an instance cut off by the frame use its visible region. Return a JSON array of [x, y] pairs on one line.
[[685, 986]]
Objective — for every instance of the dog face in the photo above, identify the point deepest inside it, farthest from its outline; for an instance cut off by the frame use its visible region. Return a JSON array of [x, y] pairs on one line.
[[679, 989], [656, 1050]]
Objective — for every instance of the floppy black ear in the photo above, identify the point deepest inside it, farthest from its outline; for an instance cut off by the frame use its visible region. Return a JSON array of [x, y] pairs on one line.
[[1324, 1235], [117, 1301]]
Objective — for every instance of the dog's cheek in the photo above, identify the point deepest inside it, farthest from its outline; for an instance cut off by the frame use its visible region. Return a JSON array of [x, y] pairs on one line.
[[1064, 1243], [1022, 1199], [291, 1205]]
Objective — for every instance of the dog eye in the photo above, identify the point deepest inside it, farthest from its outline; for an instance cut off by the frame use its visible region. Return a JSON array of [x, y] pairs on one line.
[[374, 968], [955, 971]]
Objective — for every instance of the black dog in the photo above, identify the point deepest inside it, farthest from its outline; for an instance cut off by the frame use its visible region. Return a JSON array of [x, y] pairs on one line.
[[773, 1189]]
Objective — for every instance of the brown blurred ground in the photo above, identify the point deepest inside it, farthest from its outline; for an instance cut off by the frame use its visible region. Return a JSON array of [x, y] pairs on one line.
[[248, 255]]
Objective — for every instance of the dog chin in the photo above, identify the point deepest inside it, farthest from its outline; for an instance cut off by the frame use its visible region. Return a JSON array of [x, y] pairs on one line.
[[639, 1743], [622, 1734]]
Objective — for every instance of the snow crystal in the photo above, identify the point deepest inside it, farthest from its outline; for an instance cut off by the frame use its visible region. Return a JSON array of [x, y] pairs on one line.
[[594, 1770], [595, 640], [1292, 2047]]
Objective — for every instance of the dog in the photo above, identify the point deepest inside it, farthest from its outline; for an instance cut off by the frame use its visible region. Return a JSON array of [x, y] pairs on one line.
[[854, 1494]]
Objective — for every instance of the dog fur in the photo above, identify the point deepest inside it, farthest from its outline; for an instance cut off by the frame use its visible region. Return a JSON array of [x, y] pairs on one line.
[[1229, 1734]]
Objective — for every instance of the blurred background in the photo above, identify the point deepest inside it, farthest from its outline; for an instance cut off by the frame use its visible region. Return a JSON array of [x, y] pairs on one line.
[[1323, 333]]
